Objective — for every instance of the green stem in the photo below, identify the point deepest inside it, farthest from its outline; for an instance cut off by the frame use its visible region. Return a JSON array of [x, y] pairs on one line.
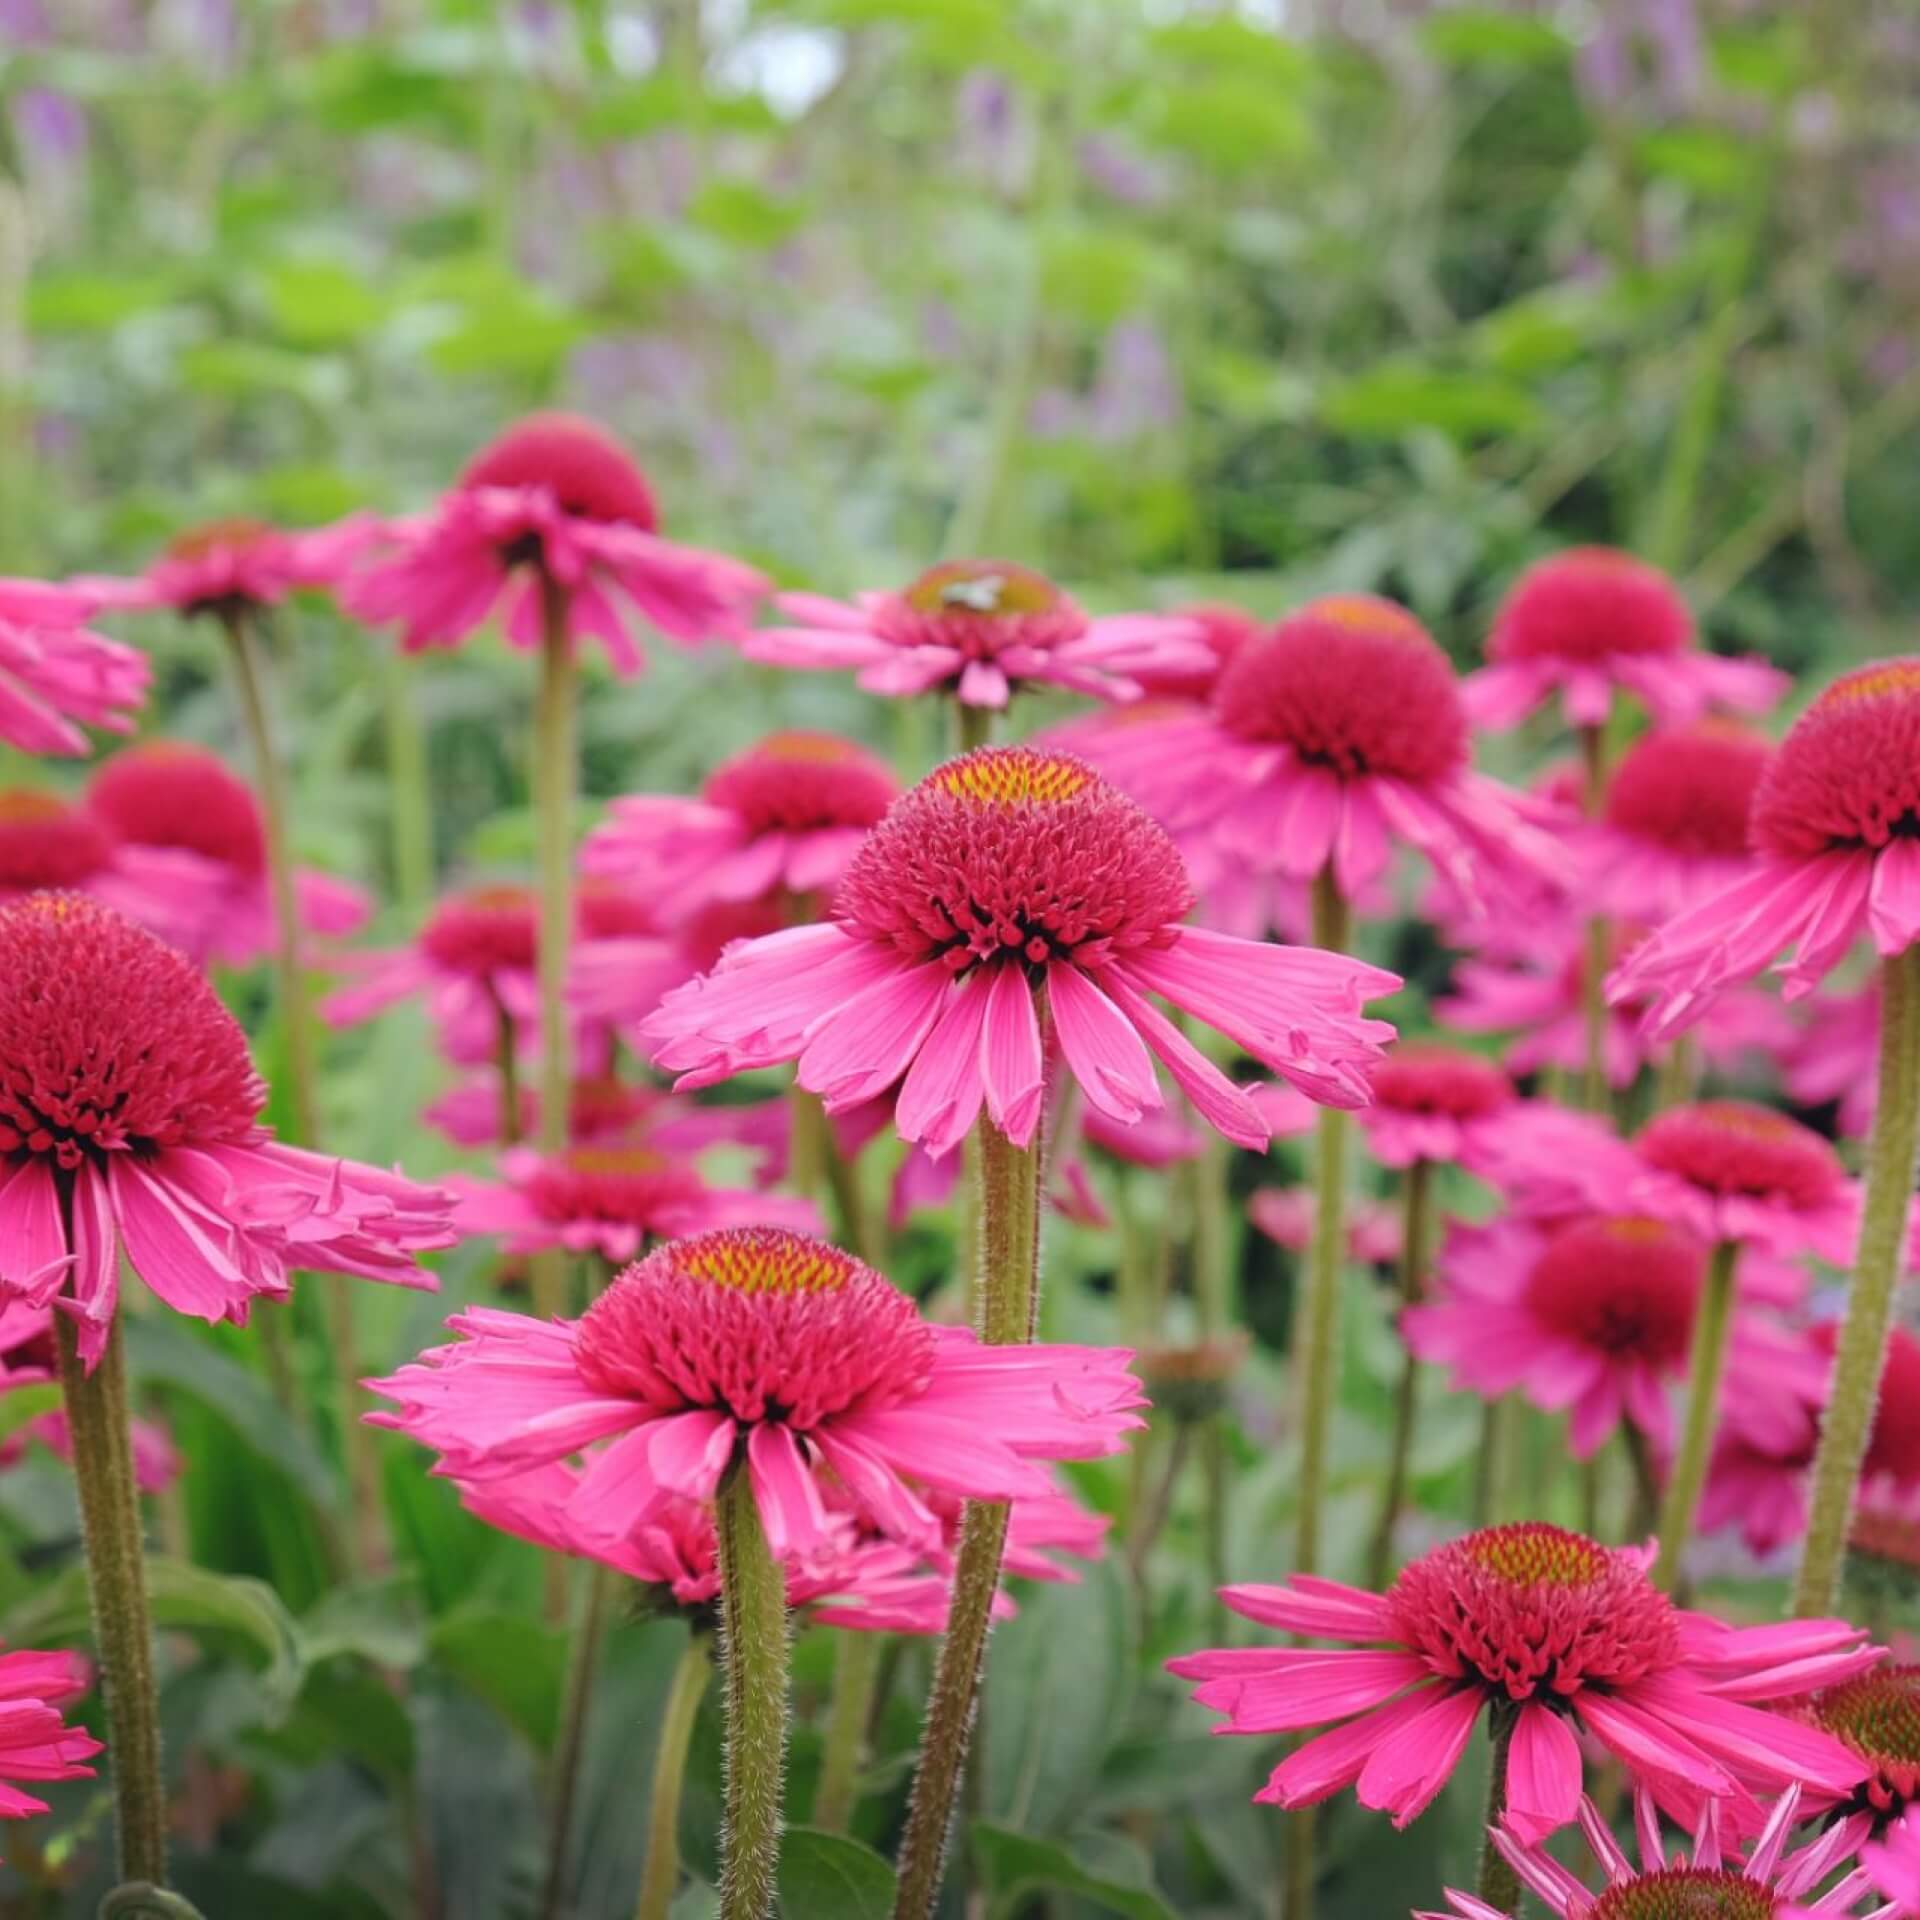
[[1679, 1075], [409, 804], [1877, 1269], [1712, 1322], [553, 783], [142, 1900], [583, 1669], [753, 1646], [856, 1672], [1499, 1884], [1496, 1416], [1646, 1482], [1151, 1521], [1416, 1194], [660, 1877], [1212, 1264], [507, 1065], [96, 1406], [972, 726], [1008, 1197]]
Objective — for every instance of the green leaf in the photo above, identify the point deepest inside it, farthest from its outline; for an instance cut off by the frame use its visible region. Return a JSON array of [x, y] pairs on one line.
[[746, 215], [1222, 42], [826, 1876], [1395, 397], [1016, 1866], [24, 1404], [1707, 159], [515, 1665], [1236, 125], [83, 302], [320, 303], [528, 335], [1101, 273], [1477, 36], [247, 369]]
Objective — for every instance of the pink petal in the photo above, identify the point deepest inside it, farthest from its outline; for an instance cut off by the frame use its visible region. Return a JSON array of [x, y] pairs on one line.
[[1406, 1772], [943, 1089], [786, 1492], [1543, 1773], [1010, 1058], [1102, 1047]]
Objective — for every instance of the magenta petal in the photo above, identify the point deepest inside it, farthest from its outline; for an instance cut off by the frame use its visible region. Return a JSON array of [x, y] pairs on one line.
[[1102, 1047], [1011, 1062], [1406, 1772], [865, 1046], [1337, 1759], [943, 1089], [786, 1492], [1543, 1773], [33, 1246]]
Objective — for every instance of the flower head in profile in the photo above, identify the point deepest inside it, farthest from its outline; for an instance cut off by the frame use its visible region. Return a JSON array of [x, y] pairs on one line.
[[1877, 1716], [1771, 1883], [554, 506], [1835, 836], [186, 803], [1555, 1633], [1439, 1103], [1327, 743], [36, 1743], [1769, 1431], [57, 675], [1594, 621], [769, 1347], [1833, 1057], [229, 568], [130, 1128], [783, 818], [1285, 1216], [979, 629], [1012, 880]]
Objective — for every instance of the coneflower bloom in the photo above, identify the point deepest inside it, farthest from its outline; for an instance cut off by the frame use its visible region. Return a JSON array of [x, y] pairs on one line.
[[1328, 742], [1007, 876], [978, 629], [1440, 1103], [611, 1198], [1877, 1716], [1672, 827], [1835, 834], [1892, 1462], [232, 567], [130, 1126], [1770, 1884], [1562, 1634], [764, 1341], [1834, 1056], [1892, 1862], [1594, 621], [554, 498], [36, 1743], [1223, 631], [1285, 1215], [1769, 1429], [783, 818], [57, 675], [185, 802]]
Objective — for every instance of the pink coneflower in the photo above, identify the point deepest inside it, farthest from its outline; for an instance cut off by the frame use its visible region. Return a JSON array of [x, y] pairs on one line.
[[1223, 629], [764, 1340], [1285, 1216], [36, 1743], [230, 567], [1440, 1103], [1892, 1458], [554, 498], [610, 1198], [1835, 833], [55, 671], [1771, 1884], [979, 629], [1835, 1057], [130, 1126], [1892, 1863], [1768, 1432], [1592, 621], [1007, 876], [187, 803], [782, 818], [1877, 1716], [1328, 741], [1562, 1634], [1673, 823]]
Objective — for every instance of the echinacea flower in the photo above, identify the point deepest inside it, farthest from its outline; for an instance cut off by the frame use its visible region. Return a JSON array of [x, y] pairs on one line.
[[555, 503], [782, 818], [130, 1127], [55, 671], [1768, 1432], [1877, 1716], [1555, 1633], [1593, 621], [1328, 741], [36, 1743], [233, 567], [1891, 1464], [1769, 1884], [1835, 834], [1892, 1862], [1439, 1103], [1285, 1215], [1223, 631], [979, 629], [769, 1344], [1008, 877], [185, 802], [1834, 1057]]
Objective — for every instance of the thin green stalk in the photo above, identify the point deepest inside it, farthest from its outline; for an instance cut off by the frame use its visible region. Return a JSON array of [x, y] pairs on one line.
[[856, 1672], [1679, 1075], [1008, 1199], [972, 726], [583, 1670], [96, 1406], [409, 802], [1713, 1320], [754, 1651], [1150, 1522], [660, 1877], [1416, 1198], [1645, 1510], [553, 782], [1877, 1269], [142, 1900], [507, 1066], [1489, 1490], [1499, 1884]]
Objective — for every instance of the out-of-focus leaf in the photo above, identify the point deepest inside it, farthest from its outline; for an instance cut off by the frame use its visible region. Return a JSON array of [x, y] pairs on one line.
[[1763, 56], [358, 89], [1236, 46], [249, 370], [26, 1403], [379, 1620], [306, 496], [1397, 396], [321, 303], [1016, 1866], [1478, 36], [746, 215], [478, 1804], [529, 335], [514, 1664], [1540, 332], [82, 302], [663, 99], [1101, 273], [826, 1876], [1707, 159], [1234, 125]]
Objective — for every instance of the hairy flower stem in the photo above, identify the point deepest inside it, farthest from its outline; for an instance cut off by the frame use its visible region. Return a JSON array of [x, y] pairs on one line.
[[1877, 1269], [365, 1527], [660, 1877], [856, 1674], [1007, 1236], [583, 1664], [1499, 1884], [409, 805], [553, 789], [1416, 1196], [754, 1650], [96, 1406], [1713, 1320]]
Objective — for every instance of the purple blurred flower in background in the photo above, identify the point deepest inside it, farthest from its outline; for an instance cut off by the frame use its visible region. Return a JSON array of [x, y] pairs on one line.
[[50, 129], [1118, 171], [1136, 390]]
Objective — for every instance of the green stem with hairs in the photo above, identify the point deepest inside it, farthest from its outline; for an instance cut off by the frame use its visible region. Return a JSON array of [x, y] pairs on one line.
[[409, 802], [660, 1877], [1499, 1884], [754, 1652], [1713, 1321], [97, 1418], [554, 780], [583, 1670], [1878, 1267], [1416, 1198], [1007, 1237], [856, 1674]]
